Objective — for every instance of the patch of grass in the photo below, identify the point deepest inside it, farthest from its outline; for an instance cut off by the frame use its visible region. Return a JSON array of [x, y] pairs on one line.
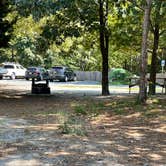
[[61, 117], [93, 110], [119, 111], [123, 107], [44, 112], [120, 107], [119, 82], [90, 109], [80, 110], [73, 126], [139, 108], [151, 114]]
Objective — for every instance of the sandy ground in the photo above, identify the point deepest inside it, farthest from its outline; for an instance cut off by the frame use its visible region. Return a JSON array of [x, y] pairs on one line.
[[30, 132]]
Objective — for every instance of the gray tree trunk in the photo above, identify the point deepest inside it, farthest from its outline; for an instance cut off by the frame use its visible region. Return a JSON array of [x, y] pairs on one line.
[[143, 60]]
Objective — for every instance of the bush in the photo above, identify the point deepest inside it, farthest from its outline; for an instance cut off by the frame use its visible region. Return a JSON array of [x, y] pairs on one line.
[[119, 75]]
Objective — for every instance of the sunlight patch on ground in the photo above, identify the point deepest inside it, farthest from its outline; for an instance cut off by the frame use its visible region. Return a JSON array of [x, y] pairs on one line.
[[54, 154], [161, 128], [44, 127], [21, 162], [107, 153], [92, 153], [141, 149], [135, 115], [138, 128], [106, 142], [122, 148], [135, 134], [155, 157]]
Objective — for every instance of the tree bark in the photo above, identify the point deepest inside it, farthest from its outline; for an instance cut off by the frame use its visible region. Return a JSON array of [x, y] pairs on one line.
[[104, 46], [152, 87], [143, 60]]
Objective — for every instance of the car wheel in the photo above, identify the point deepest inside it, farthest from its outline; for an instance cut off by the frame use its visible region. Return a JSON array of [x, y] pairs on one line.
[[13, 77], [66, 79], [41, 77], [75, 78], [27, 79]]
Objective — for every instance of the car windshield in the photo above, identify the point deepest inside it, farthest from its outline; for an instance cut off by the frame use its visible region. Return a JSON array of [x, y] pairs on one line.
[[58, 69], [8, 66], [32, 69], [2, 69]]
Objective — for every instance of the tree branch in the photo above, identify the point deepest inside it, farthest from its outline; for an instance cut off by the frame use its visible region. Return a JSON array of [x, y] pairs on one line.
[[134, 2], [151, 25], [162, 32]]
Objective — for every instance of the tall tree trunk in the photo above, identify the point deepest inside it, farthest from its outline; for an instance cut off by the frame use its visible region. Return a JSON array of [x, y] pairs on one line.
[[155, 31], [104, 46], [152, 87], [143, 60]]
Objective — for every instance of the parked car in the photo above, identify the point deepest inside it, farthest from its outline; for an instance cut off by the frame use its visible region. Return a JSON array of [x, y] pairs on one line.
[[38, 73], [12, 70], [2, 72], [62, 73]]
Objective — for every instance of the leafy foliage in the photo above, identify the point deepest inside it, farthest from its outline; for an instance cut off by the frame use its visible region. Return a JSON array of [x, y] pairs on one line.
[[26, 51], [51, 32], [5, 26]]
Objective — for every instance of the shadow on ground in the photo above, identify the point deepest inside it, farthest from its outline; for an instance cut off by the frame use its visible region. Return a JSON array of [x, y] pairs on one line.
[[115, 133]]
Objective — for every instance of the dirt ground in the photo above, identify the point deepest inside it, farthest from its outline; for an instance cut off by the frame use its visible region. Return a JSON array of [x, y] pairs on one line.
[[37, 131]]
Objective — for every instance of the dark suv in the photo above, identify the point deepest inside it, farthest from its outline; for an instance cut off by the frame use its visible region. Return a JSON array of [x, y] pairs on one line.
[[38, 73], [62, 73]]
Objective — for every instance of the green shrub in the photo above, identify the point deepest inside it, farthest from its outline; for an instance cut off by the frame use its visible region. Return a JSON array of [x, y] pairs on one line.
[[119, 76]]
